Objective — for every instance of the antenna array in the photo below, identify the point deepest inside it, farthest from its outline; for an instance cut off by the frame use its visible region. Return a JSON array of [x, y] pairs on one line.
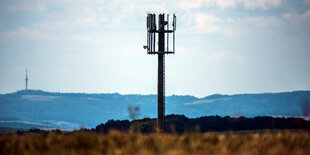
[[154, 30]]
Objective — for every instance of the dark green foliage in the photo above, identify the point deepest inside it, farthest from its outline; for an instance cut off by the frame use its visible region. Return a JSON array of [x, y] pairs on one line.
[[180, 124], [123, 125]]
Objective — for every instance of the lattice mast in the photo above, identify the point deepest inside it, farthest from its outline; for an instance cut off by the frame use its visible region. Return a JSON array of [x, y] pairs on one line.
[[162, 31]]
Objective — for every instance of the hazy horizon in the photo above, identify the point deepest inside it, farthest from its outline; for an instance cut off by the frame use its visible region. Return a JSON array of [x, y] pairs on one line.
[[249, 93]]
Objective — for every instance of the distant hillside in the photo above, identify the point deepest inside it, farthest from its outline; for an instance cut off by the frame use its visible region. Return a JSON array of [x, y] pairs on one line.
[[36, 108]]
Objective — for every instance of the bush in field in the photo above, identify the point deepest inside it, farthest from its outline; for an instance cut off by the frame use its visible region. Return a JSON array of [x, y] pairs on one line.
[[123, 125]]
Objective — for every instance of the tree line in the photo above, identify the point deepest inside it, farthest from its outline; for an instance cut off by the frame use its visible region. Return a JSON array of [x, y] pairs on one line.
[[180, 124]]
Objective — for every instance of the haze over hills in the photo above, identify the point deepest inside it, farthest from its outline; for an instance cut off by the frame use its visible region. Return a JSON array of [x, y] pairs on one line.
[[36, 108]]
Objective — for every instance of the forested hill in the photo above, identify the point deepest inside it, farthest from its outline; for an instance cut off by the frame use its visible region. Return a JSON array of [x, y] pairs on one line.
[[36, 108]]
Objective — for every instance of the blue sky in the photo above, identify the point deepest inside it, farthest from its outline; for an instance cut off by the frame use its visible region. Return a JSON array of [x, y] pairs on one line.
[[222, 46]]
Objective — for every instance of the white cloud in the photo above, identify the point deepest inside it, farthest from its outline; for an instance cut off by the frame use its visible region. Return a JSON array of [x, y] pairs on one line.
[[28, 6], [28, 33], [208, 18], [87, 22], [86, 39], [201, 56], [297, 18], [190, 4], [223, 4], [263, 21], [86, 7], [44, 34], [259, 25], [209, 23], [223, 56], [262, 4]]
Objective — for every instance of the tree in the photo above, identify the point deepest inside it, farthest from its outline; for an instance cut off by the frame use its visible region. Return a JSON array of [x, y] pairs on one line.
[[305, 107], [134, 112]]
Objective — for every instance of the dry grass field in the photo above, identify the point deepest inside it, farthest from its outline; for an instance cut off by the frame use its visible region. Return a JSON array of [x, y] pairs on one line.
[[88, 143]]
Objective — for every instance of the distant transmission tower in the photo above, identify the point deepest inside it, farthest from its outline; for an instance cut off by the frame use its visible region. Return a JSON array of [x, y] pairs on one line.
[[162, 31], [26, 80]]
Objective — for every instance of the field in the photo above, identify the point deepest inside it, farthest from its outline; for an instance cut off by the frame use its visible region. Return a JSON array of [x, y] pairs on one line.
[[81, 142]]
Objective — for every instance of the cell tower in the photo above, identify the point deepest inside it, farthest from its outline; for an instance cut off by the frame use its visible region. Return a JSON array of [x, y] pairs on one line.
[[160, 31], [26, 80]]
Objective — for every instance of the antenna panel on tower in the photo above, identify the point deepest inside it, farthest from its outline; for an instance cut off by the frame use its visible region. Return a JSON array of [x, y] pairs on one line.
[[153, 30]]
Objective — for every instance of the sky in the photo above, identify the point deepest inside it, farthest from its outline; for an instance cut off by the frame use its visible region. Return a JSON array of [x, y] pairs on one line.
[[222, 46]]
